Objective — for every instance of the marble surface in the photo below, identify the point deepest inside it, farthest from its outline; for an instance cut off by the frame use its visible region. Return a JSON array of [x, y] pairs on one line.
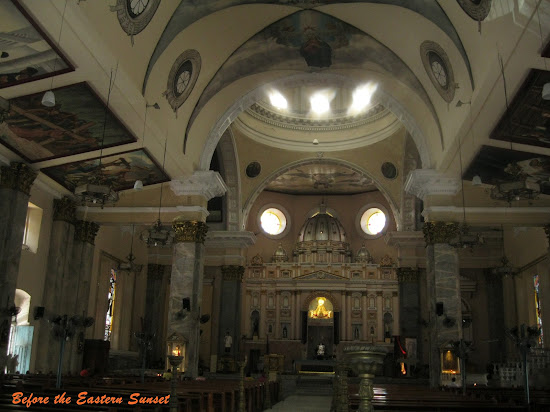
[[186, 282]]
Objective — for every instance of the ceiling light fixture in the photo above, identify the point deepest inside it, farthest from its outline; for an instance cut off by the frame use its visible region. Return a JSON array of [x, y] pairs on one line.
[[157, 234], [277, 100], [129, 266], [48, 99], [362, 96], [97, 189], [320, 103]]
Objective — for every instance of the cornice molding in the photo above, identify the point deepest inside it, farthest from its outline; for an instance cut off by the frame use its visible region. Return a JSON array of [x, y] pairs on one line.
[[226, 239], [206, 183], [425, 182]]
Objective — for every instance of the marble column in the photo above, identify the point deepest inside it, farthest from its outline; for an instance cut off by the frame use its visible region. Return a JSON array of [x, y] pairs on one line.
[[443, 283], [186, 286], [495, 314], [76, 288], [230, 308], [58, 267], [409, 302], [263, 315], [379, 315], [343, 316], [15, 185], [364, 316]]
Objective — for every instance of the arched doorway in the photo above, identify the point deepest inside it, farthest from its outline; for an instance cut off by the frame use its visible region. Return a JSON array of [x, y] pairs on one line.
[[320, 328]]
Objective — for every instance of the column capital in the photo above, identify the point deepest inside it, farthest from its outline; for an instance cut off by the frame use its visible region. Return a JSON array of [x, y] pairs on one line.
[[206, 183], [189, 231], [424, 182], [64, 209], [407, 274], [17, 176], [440, 232], [85, 231], [233, 272]]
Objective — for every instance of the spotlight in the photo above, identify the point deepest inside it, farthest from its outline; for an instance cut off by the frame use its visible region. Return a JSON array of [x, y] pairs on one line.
[[315, 141], [361, 97], [319, 103], [48, 99], [277, 100]]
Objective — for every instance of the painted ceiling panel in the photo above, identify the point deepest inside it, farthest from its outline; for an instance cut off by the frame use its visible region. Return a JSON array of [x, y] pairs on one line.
[[190, 11]]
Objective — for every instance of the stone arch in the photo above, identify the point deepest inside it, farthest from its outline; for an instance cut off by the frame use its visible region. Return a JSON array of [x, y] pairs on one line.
[[295, 80], [254, 195], [317, 293]]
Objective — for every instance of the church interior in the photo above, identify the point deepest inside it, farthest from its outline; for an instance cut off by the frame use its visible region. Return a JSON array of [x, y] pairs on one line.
[[277, 189]]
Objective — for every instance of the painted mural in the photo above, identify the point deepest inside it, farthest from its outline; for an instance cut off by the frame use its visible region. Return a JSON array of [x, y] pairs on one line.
[[190, 11], [318, 178], [309, 40], [121, 170], [496, 165], [26, 53], [74, 125], [527, 120]]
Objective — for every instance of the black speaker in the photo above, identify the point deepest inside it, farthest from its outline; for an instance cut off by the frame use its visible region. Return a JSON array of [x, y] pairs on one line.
[[336, 328], [304, 326], [186, 303], [439, 310], [38, 312]]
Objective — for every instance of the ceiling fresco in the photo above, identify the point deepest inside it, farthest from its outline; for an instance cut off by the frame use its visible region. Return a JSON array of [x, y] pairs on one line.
[[26, 54], [318, 178], [190, 11], [527, 120], [74, 125], [496, 165], [120, 170], [309, 39]]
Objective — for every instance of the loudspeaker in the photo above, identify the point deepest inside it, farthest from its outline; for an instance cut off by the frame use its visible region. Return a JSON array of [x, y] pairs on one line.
[[439, 308], [38, 312], [186, 303]]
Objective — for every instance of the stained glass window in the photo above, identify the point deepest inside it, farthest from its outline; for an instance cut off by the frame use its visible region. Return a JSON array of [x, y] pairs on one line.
[[538, 308], [111, 305]]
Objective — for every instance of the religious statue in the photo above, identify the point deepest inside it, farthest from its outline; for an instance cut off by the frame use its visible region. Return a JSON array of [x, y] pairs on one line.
[[320, 351], [228, 342], [320, 311]]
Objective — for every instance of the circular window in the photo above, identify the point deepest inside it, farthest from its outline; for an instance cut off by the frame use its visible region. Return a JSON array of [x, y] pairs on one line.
[[372, 221], [182, 78], [135, 15], [439, 69], [274, 221]]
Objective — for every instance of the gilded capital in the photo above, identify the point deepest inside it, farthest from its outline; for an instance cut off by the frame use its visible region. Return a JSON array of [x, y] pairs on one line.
[[64, 209], [85, 231], [233, 272], [440, 232], [189, 231], [407, 275], [17, 176]]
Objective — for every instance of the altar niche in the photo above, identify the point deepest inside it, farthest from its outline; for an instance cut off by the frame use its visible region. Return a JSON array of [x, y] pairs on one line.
[[320, 328]]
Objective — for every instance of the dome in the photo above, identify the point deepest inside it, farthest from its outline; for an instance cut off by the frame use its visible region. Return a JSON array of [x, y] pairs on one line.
[[363, 255], [322, 226]]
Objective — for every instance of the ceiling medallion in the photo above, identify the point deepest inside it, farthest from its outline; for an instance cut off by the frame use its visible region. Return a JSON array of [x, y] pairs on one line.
[[439, 69], [389, 170], [476, 9], [135, 15], [182, 78], [253, 169]]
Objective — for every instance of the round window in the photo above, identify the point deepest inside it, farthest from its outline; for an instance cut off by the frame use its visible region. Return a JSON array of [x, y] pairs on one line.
[[373, 221], [273, 221]]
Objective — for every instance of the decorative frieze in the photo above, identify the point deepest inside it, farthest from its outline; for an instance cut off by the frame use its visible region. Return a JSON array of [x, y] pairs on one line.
[[233, 272], [85, 231], [64, 209], [407, 275], [440, 232], [17, 176], [189, 231]]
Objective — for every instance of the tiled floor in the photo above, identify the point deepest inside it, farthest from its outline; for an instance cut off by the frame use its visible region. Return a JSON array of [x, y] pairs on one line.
[[304, 403]]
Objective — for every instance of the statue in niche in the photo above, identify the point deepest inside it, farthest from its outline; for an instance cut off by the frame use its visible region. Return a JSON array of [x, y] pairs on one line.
[[285, 332], [320, 312]]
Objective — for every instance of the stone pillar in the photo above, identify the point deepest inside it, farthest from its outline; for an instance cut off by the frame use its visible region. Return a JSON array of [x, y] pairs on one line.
[[443, 284], [263, 315], [76, 287], [343, 316], [379, 316], [186, 286], [364, 313], [15, 185], [409, 302], [58, 267], [230, 308], [155, 302]]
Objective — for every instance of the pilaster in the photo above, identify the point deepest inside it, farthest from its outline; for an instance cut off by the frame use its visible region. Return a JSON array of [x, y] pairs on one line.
[[230, 309]]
